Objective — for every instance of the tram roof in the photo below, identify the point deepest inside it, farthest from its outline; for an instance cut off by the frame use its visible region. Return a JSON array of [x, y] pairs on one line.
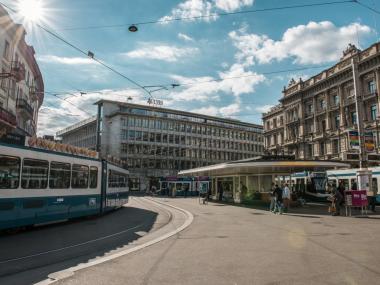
[[264, 165]]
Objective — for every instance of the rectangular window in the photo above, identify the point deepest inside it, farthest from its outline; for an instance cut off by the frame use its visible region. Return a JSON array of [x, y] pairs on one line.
[[337, 121], [93, 177], [131, 122], [372, 87], [34, 174], [9, 172], [59, 177], [373, 112], [131, 135], [353, 118], [336, 100], [138, 122], [79, 177]]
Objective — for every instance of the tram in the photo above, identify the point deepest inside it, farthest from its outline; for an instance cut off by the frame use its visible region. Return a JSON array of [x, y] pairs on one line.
[[349, 180], [311, 185], [39, 186]]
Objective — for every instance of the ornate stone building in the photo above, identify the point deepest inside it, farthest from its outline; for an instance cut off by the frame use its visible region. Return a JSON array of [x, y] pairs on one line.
[[21, 83], [314, 117]]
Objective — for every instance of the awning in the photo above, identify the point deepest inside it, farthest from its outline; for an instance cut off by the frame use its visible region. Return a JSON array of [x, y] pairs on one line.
[[261, 167]]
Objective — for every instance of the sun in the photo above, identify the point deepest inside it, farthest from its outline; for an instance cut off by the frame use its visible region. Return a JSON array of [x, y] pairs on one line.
[[31, 10]]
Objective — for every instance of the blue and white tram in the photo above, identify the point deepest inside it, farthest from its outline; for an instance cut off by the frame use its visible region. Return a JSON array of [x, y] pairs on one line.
[[348, 178], [311, 185], [39, 186]]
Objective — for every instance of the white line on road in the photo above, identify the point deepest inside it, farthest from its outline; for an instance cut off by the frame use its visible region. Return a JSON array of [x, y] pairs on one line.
[[70, 246], [70, 271]]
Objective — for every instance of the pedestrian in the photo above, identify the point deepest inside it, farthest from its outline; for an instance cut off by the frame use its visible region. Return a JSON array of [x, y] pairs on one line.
[[371, 196], [341, 190], [286, 197], [278, 197], [337, 200], [272, 198]]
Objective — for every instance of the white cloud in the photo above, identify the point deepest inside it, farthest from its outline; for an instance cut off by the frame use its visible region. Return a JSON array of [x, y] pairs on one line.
[[230, 110], [185, 37], [235, 81], [232, 5], [264, 108], [57, 114], [205, 9], [162, 52], [66, 60], [314, 43], [210, 111]]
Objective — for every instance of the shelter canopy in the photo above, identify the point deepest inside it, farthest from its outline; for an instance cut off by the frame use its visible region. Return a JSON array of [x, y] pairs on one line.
[[264, 165]]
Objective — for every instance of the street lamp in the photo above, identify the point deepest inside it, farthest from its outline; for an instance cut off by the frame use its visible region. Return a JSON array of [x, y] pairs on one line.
[[133, 28]]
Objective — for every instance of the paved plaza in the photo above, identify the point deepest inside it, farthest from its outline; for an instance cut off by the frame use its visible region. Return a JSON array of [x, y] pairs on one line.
[[235, 245]]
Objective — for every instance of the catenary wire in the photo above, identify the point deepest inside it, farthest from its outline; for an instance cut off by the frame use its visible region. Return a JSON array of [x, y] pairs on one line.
[[211, 15], [83, 52], [368, 7]]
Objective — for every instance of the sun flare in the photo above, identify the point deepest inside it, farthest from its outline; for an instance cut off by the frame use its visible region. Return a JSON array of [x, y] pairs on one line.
[[31, 10]]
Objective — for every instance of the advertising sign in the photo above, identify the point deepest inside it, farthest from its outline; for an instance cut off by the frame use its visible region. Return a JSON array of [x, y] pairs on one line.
[[353, 138], [369, 142], [356, 198]]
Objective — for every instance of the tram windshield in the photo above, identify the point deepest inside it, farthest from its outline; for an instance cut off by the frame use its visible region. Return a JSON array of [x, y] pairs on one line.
[[319, 181]]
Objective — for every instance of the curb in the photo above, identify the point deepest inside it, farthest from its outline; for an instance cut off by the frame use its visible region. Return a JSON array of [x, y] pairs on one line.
[[57, 276]]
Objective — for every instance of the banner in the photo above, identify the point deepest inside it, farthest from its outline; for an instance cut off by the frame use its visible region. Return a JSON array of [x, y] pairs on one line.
[[369, 142], [353, 138]]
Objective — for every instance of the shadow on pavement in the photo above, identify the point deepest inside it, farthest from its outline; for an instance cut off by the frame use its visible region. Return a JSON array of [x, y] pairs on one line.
[[29, 256]]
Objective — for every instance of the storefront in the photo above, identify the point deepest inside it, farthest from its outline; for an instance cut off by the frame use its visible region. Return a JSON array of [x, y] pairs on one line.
[[243, 180]]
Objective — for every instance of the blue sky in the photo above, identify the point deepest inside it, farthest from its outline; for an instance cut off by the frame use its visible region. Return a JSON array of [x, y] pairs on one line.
[[244, 46]]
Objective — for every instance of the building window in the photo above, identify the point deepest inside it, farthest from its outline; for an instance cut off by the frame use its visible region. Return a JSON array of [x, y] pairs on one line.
[[373, 112], [335, 146], [336, 100], [337, 121], [372, 87], [353, 118], [322, 104]]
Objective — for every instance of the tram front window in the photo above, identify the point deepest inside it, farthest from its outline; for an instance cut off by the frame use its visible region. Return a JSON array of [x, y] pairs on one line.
[[9, 172]]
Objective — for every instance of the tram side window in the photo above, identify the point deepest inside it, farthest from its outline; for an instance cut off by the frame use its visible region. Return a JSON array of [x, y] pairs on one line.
[[79, 176], [9, 172], [34, 174], [59, 177], [117, 180], [93, 177]]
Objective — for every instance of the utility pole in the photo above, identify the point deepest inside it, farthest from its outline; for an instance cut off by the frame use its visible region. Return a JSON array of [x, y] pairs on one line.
[[363, 175], [359, 112]]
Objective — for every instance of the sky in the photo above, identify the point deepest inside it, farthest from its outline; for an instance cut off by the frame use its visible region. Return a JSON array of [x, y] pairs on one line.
[[228, 66]]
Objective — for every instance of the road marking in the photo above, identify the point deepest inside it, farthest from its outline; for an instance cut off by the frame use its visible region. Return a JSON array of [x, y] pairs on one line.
[[70, 246], [54, 277]]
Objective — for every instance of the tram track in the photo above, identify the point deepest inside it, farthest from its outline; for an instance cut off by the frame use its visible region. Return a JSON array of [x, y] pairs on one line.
[[84, 251]]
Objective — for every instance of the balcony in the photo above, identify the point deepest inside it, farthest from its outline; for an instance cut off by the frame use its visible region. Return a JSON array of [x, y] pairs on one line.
[[25, 108], [349, 101], [7, 117], [369, 95]]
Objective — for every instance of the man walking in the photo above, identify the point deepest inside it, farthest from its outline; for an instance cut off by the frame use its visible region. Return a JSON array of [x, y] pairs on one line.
[[278, 197]]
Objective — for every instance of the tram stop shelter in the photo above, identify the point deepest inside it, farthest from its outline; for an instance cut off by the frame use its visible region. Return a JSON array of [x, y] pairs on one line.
[[243, 179]]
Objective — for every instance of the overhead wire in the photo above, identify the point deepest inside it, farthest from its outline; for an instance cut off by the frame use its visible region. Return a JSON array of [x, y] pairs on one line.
[[366, 6], [213, 15], [83, 52]]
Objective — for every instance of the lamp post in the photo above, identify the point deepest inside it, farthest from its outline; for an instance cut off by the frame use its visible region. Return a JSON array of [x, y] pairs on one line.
[[364, 175]]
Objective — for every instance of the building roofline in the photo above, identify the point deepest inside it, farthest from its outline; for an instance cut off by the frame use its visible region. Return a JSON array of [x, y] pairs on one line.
[[76, 126], [180, 112]]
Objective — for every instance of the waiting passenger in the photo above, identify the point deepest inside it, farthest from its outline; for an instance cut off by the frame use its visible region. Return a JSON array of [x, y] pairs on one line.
[[278, 197], [337, 200]]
